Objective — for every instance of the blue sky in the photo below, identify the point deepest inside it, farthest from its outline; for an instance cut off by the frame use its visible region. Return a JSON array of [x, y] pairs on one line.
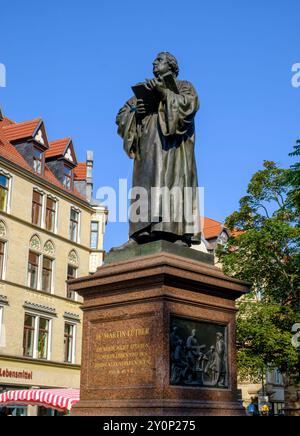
[[73, 63]]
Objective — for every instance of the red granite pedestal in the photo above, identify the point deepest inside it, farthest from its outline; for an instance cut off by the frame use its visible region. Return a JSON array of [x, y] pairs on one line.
[[130, 308]]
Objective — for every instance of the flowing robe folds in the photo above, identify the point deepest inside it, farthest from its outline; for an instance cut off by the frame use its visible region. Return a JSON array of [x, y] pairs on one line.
[[162, 146]]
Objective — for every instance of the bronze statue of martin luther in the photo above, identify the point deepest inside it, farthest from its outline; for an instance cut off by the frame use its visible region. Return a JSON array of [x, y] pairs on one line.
[[158, 130]]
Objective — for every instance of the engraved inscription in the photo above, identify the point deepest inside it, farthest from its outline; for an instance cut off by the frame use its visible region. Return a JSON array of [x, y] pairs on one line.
[[118, 353]]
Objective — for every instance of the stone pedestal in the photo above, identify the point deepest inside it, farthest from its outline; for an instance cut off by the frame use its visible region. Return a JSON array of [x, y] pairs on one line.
[[138, 345]]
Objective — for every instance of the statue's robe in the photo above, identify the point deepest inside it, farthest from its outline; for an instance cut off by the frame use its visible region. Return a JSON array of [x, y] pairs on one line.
[[162, 146]]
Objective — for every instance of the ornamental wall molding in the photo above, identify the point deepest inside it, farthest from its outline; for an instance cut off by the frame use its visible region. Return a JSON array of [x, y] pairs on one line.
[[3, 231], [49, 248], [40, 308], [35, 243], [73, 258], [72, 316], [3, 299]]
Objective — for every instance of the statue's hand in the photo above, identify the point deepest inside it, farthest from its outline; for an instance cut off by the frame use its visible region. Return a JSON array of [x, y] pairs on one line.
[[141, 107], [156, 84]]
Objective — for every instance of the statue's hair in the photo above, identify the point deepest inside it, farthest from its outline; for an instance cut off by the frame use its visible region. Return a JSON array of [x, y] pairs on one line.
[[172, 61]]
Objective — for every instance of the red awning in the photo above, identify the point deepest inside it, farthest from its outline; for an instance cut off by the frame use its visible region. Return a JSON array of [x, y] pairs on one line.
[[59, 399]]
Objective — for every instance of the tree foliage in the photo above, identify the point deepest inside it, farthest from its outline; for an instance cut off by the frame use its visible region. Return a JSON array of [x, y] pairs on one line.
[[294, 178], [266, 252]]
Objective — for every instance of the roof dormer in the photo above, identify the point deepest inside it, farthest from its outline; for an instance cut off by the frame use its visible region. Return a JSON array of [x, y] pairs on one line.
[[62, 149], [61, 159], [29, 131], [30, 140]]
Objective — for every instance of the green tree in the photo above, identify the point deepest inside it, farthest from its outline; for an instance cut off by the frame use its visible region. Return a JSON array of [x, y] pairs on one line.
[[265, 251], [294, 178]]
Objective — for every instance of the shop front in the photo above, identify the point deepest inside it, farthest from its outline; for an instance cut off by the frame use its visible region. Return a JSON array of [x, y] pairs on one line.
[[20, 378]]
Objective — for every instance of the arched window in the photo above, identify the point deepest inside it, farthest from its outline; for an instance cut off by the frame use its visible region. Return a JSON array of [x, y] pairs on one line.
[[73, 264], [33, 276], [47, 266]]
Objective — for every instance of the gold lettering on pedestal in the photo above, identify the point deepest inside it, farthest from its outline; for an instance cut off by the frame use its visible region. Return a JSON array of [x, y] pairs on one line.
[[123, 357], [123, 334]]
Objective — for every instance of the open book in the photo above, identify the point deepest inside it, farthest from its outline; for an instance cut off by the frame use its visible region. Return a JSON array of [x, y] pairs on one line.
[[151, 98]]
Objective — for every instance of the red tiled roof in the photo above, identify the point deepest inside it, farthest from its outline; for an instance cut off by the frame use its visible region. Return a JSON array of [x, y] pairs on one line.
[[10, 153], [236, 233], [57, 147], [6, 122], [24, 130], [80, 171], [212, 228]]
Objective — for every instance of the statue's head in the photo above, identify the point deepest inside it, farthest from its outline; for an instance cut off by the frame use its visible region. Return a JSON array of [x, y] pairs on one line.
[[164, 63]]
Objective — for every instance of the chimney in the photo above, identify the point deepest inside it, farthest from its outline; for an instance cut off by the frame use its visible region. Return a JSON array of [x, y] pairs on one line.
[[1, 114], [89, 175]]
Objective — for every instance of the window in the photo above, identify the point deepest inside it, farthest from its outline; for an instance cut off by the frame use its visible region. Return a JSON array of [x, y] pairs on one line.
[[40, 265], [36, 336], [74, 225], [68, 177], [278, 377], [69, 343], [72, 274], [28, 338], [50, 214], [37, 206], [4, 185], [47, 274], [37, 161], [2, 340], [94, 234], [43, 338], [2, 258], [33, 270]]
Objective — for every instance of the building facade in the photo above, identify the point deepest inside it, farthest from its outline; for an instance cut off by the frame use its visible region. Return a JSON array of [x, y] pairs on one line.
[[50, 231]]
